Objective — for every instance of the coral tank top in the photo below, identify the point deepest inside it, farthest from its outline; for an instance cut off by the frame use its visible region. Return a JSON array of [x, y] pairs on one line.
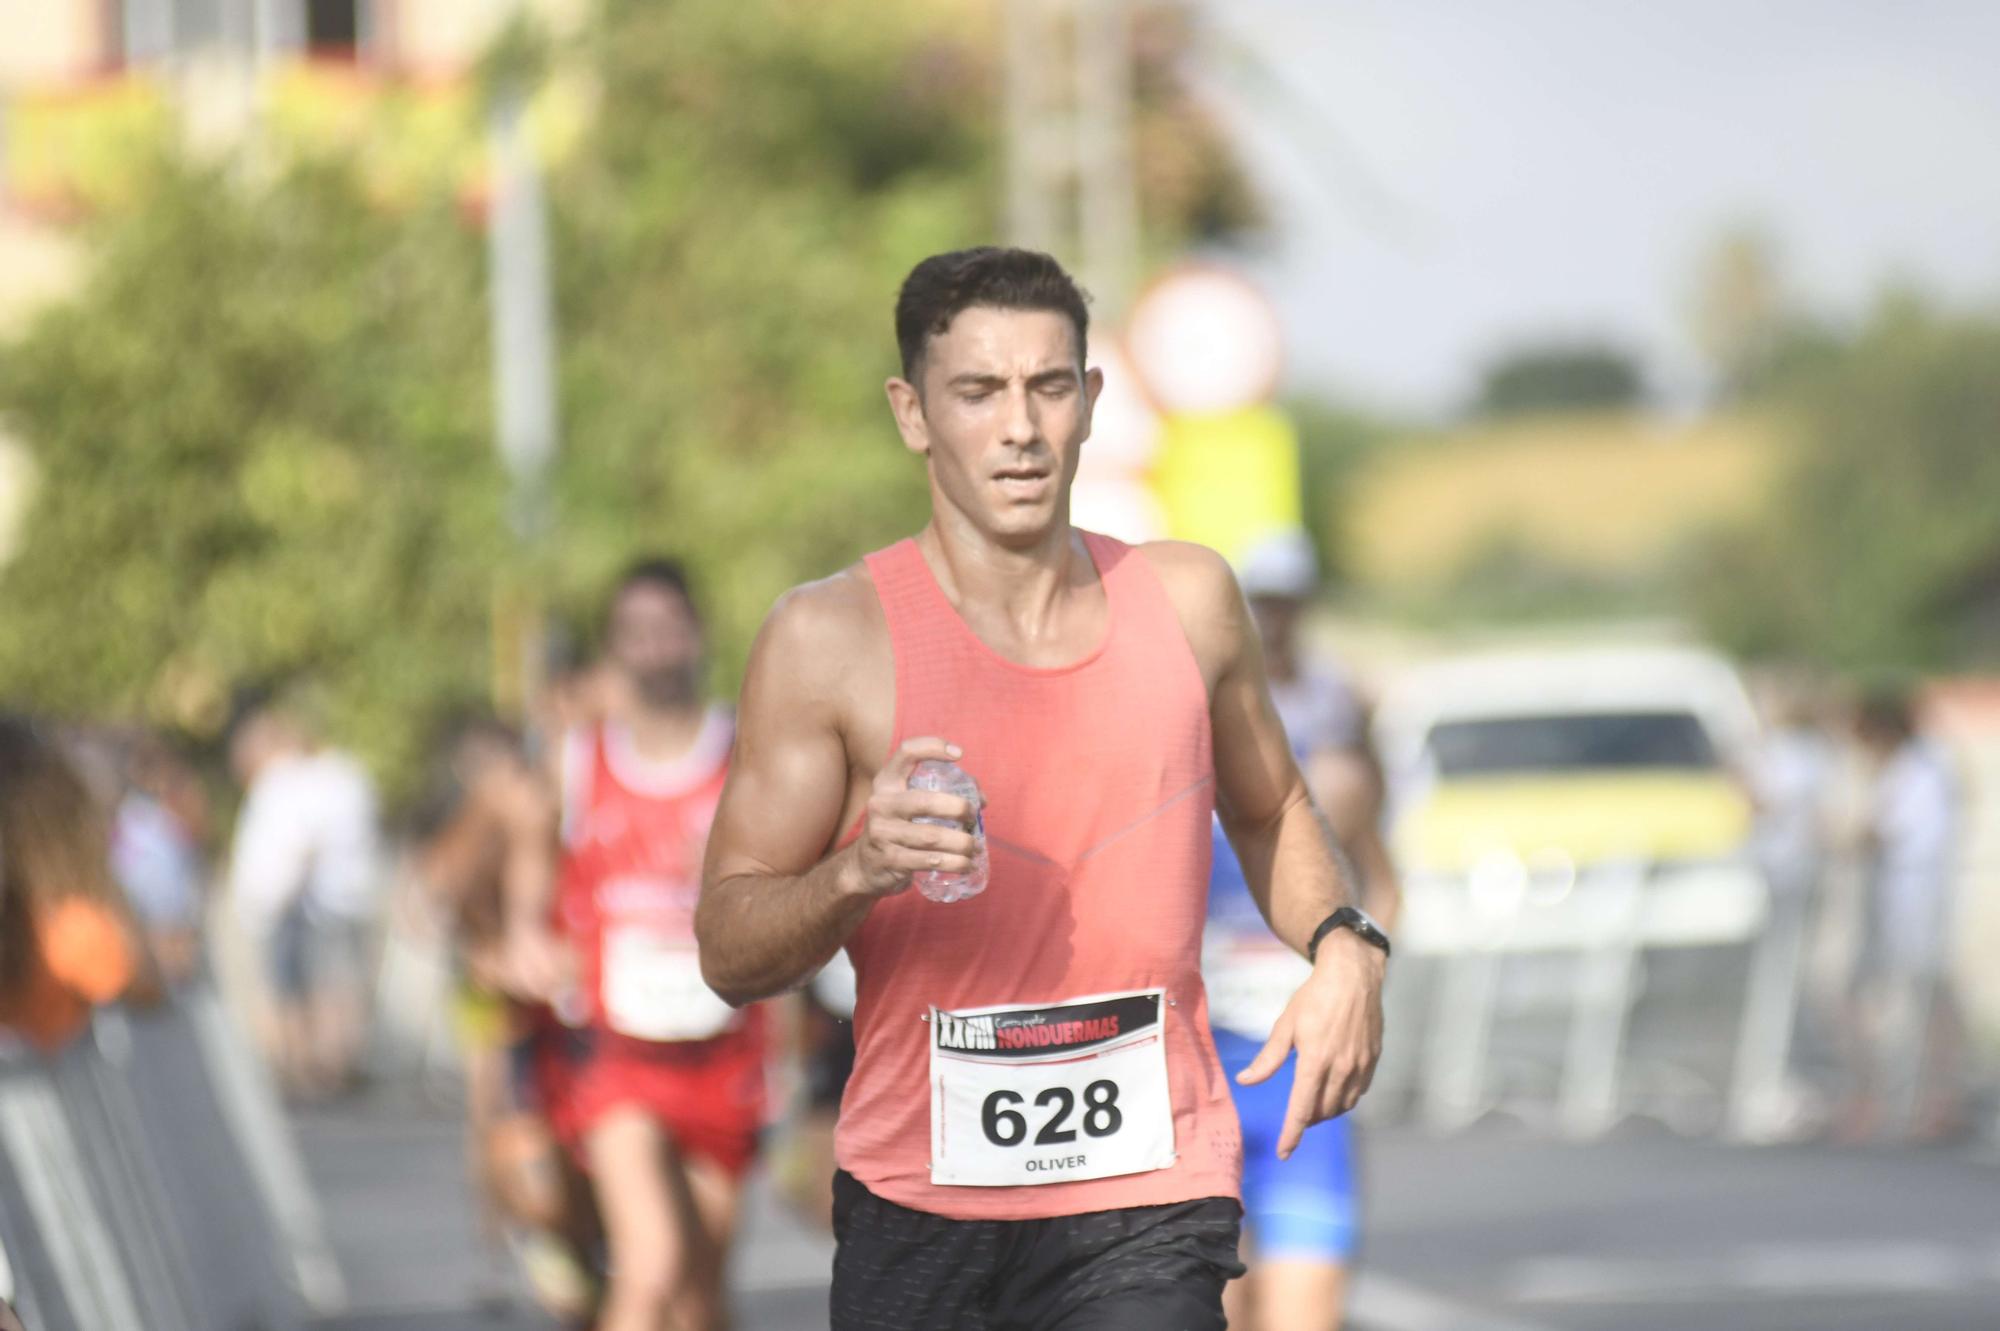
[[1010, 1046]]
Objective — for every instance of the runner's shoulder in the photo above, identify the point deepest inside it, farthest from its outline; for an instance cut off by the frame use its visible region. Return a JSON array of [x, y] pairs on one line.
[[1202, 587], [818, 631], [1190, 564]]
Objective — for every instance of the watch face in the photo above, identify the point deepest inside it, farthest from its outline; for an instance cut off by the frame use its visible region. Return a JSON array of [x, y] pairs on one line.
[[1364, 925]]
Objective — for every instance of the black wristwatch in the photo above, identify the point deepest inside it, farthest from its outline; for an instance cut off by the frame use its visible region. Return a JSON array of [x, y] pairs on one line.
[[1348, 917]]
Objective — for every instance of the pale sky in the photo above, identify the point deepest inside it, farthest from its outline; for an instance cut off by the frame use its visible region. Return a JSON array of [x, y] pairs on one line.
[[1450, 176]]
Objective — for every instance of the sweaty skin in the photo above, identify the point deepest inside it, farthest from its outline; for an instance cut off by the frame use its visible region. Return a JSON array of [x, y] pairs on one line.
[[1003, 410]]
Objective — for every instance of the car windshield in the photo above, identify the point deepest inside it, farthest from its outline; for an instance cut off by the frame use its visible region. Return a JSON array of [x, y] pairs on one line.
[[1583, 741]]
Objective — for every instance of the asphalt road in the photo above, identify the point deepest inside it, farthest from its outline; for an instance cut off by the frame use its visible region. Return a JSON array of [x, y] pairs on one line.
[[1492, 1230]]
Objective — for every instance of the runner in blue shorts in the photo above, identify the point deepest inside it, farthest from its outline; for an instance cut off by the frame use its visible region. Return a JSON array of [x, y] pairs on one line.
[[1301, 1220]]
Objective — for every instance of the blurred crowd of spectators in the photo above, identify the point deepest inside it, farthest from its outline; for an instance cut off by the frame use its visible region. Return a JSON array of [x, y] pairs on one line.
[[1860, 814], [115, 872], [109, 847]]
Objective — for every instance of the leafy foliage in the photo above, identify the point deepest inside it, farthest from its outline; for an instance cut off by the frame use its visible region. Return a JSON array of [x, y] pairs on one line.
[[1560, 378], [263, 430], [730, 242], [1335, 445], [1881, 552], [262, 456]]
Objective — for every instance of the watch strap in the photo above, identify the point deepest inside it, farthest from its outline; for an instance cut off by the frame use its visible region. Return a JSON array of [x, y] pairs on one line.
[[1347, 917]]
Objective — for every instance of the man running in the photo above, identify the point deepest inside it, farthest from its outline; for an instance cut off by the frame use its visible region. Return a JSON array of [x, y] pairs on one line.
[[305, 877], [1301, 1216], [659, 1086], [492, 823], [1903, 1064], [1036, 1132]]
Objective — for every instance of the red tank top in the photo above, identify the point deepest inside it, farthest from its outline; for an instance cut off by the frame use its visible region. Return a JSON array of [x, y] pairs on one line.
[[634, 833], [1084, 951]]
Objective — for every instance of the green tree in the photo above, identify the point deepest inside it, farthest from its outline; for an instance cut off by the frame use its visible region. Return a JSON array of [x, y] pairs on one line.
[[1559, 378], [730, 240], [263, 430], [263, 458], [1739, 309], [1335, 444], [1881, 552], [1755, 339]]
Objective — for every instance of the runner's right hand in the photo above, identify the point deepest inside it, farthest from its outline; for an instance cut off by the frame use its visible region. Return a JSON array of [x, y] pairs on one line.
[[538, 965], [893, 846]]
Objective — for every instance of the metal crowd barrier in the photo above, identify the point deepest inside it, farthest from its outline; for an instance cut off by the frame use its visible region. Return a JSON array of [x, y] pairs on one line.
[[1569, 1056], [148, 1183]]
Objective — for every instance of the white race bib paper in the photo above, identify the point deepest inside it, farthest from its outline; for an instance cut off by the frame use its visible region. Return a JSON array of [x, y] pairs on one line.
[[653, 988], [1052, 1094]]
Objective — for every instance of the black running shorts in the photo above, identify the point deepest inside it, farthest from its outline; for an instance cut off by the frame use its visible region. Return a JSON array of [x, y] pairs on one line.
[[1145, 1268]]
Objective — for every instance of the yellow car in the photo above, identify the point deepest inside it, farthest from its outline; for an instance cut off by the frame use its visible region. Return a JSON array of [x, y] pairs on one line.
[[1560, 800]]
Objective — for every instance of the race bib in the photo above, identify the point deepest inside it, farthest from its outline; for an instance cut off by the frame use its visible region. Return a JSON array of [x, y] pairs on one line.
[[1031, 1095], [653, 988], [1249, 981]]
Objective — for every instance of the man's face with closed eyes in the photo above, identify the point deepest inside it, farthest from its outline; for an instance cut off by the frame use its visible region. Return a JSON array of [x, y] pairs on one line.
[[1001, 410]]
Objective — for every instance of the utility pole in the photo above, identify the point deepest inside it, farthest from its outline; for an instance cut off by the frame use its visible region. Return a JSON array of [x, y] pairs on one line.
[[524, 394], [1107, 185], [1071, 185], [1036, 163]]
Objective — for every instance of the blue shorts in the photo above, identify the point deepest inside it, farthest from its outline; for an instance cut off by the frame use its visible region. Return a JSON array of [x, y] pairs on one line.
[[1302, 1208]]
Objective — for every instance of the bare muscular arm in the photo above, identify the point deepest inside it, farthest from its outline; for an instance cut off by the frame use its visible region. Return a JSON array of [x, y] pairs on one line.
[[1347, 784], [1294, 867], [775, 903], [533, 962]]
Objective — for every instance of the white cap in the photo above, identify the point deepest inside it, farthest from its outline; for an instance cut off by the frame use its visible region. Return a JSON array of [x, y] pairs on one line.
[[1281, 564]]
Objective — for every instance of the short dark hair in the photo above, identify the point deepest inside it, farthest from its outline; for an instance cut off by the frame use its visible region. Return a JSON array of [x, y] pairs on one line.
[[654, 571], [944, 285]]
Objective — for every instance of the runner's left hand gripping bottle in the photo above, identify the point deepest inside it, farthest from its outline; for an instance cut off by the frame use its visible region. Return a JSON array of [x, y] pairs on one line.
[[951, 779]]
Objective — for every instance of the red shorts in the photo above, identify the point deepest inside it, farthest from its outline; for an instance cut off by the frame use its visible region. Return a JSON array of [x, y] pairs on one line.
[[708, 1095]]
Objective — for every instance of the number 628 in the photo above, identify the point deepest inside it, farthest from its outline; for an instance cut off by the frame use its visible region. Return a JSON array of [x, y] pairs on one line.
[[1005, 1126]]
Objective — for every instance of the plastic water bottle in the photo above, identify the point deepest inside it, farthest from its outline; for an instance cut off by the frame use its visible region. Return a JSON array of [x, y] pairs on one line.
[[951, 779]]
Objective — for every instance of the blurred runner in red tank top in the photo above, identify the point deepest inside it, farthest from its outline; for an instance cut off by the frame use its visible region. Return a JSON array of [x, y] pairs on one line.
[[654, 1082]]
